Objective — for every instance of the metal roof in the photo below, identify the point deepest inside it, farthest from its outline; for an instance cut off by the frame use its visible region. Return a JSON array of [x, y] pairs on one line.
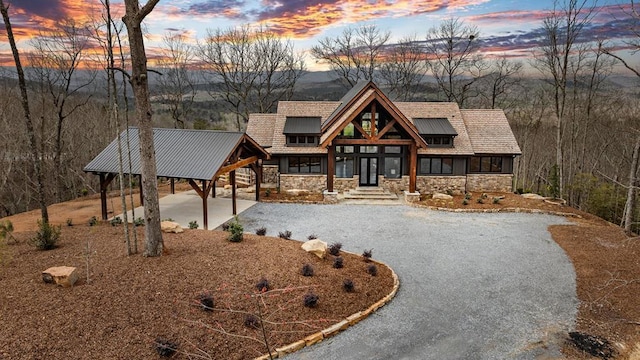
[[180, 153], [434, 126], [302, 125], [355, 90]]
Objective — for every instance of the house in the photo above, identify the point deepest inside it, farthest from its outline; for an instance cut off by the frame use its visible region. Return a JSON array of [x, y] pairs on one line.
[[366, 140]]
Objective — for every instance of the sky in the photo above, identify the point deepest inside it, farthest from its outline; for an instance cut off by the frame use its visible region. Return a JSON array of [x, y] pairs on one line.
[[508, 27]]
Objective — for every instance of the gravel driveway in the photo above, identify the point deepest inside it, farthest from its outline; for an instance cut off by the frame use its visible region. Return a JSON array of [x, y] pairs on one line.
[[472, 286]]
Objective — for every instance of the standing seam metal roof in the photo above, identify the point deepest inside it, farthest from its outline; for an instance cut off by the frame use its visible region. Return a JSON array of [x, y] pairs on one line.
[[186, 154], [302, 125], [434, 126]]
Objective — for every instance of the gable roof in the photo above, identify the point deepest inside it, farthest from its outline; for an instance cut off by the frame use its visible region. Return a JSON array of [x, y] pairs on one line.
[[260, 128], [345, 100], [180, 153], [434, 126], [489, 132], [302, 125]]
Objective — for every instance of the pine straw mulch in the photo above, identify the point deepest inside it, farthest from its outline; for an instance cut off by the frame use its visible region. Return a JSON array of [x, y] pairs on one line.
[[127, 302]]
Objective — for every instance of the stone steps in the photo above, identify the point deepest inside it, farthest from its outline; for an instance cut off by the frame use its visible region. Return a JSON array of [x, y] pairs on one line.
[[369, 193]]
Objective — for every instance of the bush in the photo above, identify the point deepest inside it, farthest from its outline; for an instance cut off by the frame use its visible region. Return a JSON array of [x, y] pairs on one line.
[[467, 196], [307, 270], [115, 221], [484, 195], [496, 200], [285, 235], [334, 249], [338, 263], [251, 321], [366, 255], [206, 302], [372, 270], [69, 222], [6, 231], [193, 225], [465, 202], [348, 285], [235, 231], [164, 347], [93, 221], [312, 237], [263, 285], [46, 237], [310, 300], [480, 201], [261, 231], [267, 193], [449, 192], [138, 221]]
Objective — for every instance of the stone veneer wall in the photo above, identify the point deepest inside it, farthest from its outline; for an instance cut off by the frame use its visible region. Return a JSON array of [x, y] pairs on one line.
[[315, 183], [490, 182], [344, 184], [270, 174], [396, 186], [440, 184]]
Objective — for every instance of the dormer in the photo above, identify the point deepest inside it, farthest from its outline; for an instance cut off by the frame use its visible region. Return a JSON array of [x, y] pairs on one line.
[[437, 132], [302, 131]]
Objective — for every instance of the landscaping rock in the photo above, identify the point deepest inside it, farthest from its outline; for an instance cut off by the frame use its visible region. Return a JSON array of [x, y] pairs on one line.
[[440, 196], [64, 276], [316, 247], [532, 196], [171, 227], [298, 192]]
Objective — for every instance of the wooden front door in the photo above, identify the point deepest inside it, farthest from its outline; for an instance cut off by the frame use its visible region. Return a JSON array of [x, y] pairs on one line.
[[368, 171]]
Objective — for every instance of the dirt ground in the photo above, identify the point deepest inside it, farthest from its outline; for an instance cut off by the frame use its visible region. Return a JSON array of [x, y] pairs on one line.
[[118, 315]]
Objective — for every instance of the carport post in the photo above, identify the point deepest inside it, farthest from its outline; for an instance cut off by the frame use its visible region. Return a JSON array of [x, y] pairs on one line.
[[173, 185], [232, 175], [103, 197], [205, 207]]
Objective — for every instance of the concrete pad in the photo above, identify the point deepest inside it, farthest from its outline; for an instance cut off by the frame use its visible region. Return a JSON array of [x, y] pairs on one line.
[[186, 206]]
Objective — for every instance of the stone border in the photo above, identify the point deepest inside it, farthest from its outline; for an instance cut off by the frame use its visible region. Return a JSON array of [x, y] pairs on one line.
[[340, 326], [498, 210]]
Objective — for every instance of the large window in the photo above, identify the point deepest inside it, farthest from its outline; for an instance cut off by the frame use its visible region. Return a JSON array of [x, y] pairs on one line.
[[304, 165], [344, 166], [485, 164], [393, 167], [302, 140], [436, 166]]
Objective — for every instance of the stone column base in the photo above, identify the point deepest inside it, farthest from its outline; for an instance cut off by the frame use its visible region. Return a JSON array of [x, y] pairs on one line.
[[411, 197], [330, 197]]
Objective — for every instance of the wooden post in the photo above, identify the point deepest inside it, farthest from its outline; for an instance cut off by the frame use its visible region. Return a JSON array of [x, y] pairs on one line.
[[173, 185], [258, 167], [103, 197], [413, 163], [331, 167], [205, 207], [141, 192], [232, 176], [213, 187]]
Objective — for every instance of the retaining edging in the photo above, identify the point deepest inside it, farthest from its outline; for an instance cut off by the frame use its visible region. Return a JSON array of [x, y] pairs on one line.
[[498, 210]]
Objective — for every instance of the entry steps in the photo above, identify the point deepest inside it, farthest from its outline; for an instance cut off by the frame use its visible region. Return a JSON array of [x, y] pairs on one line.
[[369, 193]]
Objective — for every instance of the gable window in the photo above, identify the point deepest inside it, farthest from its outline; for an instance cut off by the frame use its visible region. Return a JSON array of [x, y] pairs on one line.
[[436, 166], [302, 140], [485, 164], [439, 141], [304, 165]]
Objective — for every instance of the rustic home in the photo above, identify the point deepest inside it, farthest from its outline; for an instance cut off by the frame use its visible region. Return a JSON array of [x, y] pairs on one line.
[[366, 140]]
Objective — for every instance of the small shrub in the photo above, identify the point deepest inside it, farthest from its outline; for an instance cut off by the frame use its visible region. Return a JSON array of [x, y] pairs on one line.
[[366, 255], [307, 270], [285, 235], [449, 192], [496, 200], [467, 196], [519, 191], [46, 237], [235, 231], [261, 231], [193, 225], [6, 231], [225, 226], [310, 300], [263, 285], [93, 221], [267, 193], [338, 263], [484, 195], [480, 201], [206, 302], [251, 321], [372, 270], [138, 221], [84, 192], [69, 222], [348, 285], [334, 249], [312, 237], [465, 202], [164, 347], [115, 221]]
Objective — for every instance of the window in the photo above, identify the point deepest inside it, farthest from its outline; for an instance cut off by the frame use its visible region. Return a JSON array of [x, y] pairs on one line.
[[368, 149], [302, 140], [304, 165], [393, 149], [439, 141], [480, 164], [436, 166], [393, 167], [344, 167], [348, 132], [350, 149]]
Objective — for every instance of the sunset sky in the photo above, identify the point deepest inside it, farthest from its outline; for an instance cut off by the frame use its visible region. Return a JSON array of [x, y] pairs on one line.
[[506, 26]]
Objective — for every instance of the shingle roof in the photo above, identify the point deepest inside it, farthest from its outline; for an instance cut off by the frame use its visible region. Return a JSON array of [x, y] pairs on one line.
[[434, 126], [260, 128], [489, 132], [187, 154], [302, 125]]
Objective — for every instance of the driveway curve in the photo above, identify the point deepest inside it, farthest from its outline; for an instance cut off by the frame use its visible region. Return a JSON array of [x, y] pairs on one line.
[[472, 285]]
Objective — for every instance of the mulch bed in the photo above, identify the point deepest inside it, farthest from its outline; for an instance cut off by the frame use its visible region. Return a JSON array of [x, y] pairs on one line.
[[126, 303]]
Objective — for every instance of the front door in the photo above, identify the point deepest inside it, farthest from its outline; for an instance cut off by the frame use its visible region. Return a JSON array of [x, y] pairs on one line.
[[368, 171]]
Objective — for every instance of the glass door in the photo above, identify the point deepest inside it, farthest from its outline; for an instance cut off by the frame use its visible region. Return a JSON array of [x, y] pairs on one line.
[[368, 171]]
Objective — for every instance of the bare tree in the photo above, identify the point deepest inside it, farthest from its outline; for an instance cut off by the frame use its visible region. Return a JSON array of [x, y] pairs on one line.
[[451, 50], [139, 81], [403, 68], [34, 146], [504, 75], [562, 27], [177, 83], [354, 55], [256, 69]]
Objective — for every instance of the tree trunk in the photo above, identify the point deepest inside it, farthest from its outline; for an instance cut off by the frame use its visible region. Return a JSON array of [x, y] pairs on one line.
[[37, 159], [630, 205], [140, 84]]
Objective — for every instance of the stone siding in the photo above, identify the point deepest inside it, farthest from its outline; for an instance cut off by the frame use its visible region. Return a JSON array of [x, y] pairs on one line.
[[440, 184], [313, 183], [270, 174], [395, 186], [490, 182], [344, 184]]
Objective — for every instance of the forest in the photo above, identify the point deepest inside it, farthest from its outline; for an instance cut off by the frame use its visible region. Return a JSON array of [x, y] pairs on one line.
[[573, 105]]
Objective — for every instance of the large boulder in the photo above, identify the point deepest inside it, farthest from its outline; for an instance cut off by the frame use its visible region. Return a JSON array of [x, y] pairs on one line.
[[532, 196], [64, 276], [440, 196], [298, 192], [316, 247], [171, 227]]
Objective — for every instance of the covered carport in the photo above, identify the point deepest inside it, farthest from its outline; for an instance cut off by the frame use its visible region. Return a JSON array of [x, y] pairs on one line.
[[198, 156]]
